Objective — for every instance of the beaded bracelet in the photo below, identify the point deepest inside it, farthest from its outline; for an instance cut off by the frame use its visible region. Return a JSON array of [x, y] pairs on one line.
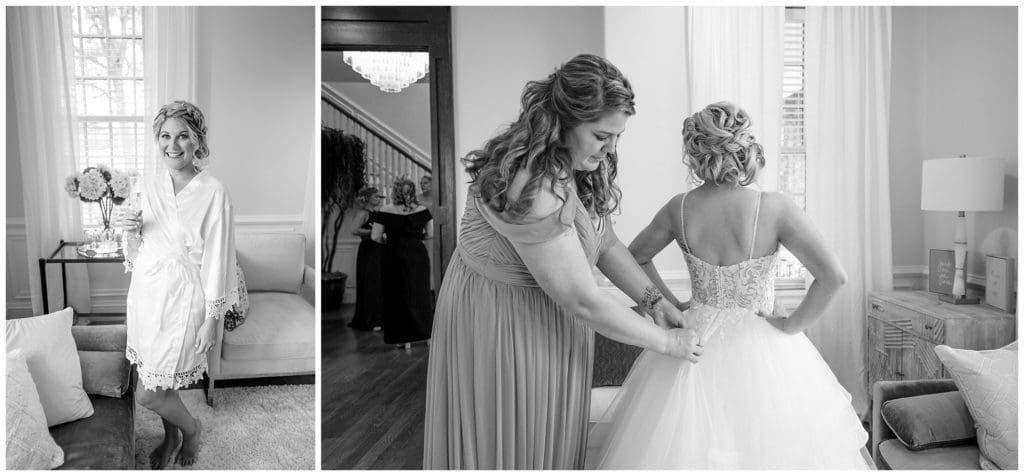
[[651, 297]]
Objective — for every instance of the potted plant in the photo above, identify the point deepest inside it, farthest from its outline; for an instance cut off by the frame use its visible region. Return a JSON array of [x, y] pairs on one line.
[[342, 165]]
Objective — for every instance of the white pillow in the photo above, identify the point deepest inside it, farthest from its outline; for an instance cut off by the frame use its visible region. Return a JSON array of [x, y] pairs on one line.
[[987, 380], [52, 358], [29, 444]]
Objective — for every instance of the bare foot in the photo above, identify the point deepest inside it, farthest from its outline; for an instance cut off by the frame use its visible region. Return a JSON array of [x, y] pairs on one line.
[[190, 446], [161, 457]]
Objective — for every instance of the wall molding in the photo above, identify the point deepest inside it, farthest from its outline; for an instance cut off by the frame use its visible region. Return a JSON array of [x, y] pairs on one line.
[[916, 277], [269, 223], [113, 300], [247, 223], [16, 227], [347, 249]]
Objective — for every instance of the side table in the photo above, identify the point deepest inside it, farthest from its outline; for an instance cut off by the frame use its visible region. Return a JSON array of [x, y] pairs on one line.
[[903, 328], [67, 253]]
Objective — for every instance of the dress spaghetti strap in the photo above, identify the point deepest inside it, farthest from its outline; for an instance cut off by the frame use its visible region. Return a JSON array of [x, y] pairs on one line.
[[757, 214], [682, 228]]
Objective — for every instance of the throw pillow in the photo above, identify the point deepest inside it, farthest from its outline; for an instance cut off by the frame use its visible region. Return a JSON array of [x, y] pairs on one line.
[[930, 421], [52, 358], [29, 444], [987, 380], [105, 373]]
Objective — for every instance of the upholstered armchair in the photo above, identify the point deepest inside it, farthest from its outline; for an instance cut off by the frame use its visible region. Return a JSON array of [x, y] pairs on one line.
[[278, 336]]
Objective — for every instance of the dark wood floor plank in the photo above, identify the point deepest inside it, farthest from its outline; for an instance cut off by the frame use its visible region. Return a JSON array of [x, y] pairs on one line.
[[373, 398]]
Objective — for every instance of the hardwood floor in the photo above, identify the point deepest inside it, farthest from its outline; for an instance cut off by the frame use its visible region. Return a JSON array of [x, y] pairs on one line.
[[373, 398]]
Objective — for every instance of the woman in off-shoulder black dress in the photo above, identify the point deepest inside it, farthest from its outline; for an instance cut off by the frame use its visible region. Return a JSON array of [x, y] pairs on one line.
[[408, 304]]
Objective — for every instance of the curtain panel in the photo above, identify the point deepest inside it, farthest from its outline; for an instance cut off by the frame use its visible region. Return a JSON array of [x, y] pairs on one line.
[[169, 47], [847, 107], [735, 54], [42, 62]]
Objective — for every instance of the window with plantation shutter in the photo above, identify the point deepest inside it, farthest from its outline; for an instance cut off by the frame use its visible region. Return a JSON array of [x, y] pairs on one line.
[[109, 90], [793, 150]]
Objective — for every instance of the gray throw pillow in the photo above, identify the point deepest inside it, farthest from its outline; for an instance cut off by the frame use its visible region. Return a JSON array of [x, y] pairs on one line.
[[105, 373], [930, 421]]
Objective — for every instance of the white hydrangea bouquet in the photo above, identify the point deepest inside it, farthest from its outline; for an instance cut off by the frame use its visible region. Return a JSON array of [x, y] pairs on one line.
[[104, 186]]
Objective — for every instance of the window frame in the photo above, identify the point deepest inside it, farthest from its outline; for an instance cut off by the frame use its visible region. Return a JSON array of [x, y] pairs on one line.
[[129, 159], [787, 148]]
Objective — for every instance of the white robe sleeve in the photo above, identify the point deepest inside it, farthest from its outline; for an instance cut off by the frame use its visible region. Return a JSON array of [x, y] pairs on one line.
[[217, 272]]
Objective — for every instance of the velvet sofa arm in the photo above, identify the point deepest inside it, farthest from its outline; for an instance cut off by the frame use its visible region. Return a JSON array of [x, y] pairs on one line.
[[886, 390], [101, 353], [308, 289], [102, 338]]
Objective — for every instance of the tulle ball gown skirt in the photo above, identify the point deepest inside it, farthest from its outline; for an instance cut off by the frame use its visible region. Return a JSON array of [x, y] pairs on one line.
[[758, 399]]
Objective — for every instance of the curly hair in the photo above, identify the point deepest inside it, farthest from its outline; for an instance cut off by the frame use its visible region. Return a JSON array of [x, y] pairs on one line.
[[193, 119], [582, 90], [364, 195], [720, 147], [403, 193]]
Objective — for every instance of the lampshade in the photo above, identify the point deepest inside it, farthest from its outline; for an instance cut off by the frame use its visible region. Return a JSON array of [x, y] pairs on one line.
[[970, 184], [391, 71]]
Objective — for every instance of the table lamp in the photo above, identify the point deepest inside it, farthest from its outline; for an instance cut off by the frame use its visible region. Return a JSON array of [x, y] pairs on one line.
[[961, 184]]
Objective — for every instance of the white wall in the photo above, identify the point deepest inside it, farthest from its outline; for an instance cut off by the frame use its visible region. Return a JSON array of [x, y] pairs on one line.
[[954, 92], [257, 87], [495, 51], [641, 42], [15, 204], [407, 113], [17, 264]]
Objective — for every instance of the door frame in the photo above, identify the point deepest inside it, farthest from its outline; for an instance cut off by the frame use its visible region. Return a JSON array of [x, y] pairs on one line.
[[412, 29]]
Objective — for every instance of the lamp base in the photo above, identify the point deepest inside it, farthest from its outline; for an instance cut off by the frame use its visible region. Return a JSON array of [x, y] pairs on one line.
[[958, 300]]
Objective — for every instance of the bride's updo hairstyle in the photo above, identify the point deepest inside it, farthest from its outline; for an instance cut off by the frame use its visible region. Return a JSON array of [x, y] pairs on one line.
[[583, 89], [193, 119], [719, 146]]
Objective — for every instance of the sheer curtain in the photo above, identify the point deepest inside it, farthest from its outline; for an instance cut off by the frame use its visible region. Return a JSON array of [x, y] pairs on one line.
[[169, 49], [735, 54], [41, 59], [848, 71]]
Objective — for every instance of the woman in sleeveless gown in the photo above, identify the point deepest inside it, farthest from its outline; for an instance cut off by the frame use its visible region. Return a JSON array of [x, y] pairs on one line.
[[508, 385], [405, 268], [369, 298], [761, 397]]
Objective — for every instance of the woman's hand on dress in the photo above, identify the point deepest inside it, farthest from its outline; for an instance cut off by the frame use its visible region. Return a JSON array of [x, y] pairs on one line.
[[777, 318], [669, 316], [683, 343], [778, 322], [206, 335]]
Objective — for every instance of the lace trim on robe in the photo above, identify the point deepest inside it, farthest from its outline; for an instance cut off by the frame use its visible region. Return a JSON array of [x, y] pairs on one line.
[[170, 380]]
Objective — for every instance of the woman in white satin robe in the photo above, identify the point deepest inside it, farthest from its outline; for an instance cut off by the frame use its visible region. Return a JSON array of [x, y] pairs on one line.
[[181, 252]]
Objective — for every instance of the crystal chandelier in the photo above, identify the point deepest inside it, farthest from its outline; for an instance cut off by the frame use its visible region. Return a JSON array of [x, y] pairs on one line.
[[391, 71]]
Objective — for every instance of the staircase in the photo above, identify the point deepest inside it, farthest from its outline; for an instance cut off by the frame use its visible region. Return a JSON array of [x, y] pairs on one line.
[[388, 154]]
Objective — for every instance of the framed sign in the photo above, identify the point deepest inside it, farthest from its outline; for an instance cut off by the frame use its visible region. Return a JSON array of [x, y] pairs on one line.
[[999, 282], [941, 269]]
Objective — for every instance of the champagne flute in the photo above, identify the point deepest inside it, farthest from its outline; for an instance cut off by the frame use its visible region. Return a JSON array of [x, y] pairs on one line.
[[133, 206]]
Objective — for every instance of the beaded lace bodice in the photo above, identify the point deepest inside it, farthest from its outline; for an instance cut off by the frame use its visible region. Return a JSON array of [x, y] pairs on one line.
[[749, 284]]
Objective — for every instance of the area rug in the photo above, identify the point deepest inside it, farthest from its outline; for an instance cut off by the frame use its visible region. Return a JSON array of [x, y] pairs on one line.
[[265, 427]]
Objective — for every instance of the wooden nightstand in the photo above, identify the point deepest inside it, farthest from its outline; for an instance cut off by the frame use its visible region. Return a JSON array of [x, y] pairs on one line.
[[905, 326]]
